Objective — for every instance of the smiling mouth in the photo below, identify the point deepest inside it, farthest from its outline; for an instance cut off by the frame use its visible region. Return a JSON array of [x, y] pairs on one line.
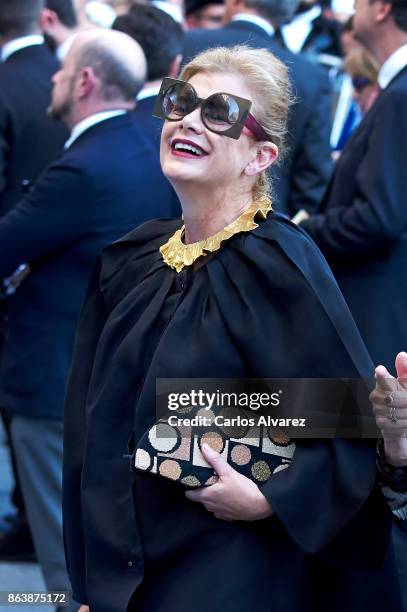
[[182, 148]]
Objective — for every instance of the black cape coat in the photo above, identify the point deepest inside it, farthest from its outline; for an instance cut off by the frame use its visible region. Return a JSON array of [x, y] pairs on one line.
[[265, 305]]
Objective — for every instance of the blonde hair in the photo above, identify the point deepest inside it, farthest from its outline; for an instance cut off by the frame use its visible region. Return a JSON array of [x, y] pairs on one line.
[[360, 63], [268, 80]]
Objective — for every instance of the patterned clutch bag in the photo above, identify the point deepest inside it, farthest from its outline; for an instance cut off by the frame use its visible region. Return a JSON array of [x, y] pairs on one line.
[[172, 447]]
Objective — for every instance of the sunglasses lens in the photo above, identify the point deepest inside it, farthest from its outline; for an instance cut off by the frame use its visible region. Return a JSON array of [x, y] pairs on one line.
[[178, 101], [360, 83], [220, 112]]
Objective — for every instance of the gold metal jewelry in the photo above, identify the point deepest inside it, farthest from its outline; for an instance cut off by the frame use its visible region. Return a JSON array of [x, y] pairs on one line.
[[178, 255]]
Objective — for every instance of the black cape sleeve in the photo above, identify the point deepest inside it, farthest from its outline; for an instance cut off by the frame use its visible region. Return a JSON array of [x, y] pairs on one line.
[[289, 319], [121, 266], [285, 314], [93, 317]]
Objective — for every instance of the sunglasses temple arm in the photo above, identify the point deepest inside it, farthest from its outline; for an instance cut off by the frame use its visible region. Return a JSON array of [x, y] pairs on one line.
[[254, 126]]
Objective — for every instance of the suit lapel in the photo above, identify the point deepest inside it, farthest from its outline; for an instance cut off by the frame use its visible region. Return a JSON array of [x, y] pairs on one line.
[[374, 106], [316, 40], [106, 125], [31, 52], [398, 76], [363, 126], [248, 26]]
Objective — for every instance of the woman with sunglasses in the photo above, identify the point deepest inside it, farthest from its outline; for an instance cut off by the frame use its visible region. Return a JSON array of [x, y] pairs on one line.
[[232, 290], [363, 70]]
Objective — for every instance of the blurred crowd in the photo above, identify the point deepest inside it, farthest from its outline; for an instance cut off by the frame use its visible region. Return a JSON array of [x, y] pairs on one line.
[[79, 168]]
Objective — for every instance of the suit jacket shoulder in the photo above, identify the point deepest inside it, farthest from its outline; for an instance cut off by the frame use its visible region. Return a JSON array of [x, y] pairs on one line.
[[25, 93], [304, 176], [107, 183]]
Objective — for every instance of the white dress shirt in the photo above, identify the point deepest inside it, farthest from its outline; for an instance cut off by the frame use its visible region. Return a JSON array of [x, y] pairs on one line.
[[100, 13], [392, 66], [148, 92], [297, 31], [259, 21], [172, 10], [63, 49], [20, 43], [89, 122]]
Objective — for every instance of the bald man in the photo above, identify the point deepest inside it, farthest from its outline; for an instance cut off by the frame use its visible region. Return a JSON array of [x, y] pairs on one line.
[[101, 72], [106, 182]]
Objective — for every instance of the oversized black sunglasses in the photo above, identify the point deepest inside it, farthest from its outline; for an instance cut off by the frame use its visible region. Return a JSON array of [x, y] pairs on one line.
[[222, 113]]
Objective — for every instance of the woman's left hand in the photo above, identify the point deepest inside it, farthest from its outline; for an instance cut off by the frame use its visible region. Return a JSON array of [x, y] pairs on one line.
[[234, 497]]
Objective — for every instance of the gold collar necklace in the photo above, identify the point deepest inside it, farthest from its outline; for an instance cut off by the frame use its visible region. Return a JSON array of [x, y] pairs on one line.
[[178, 255]]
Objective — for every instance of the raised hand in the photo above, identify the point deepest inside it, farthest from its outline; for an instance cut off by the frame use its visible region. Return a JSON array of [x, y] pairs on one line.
[[389, 401]]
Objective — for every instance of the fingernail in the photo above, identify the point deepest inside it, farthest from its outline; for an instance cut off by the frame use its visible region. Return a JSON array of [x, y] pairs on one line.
[[208, 449]]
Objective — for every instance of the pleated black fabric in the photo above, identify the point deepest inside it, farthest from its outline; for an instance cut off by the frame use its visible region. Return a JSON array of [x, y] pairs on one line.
[[266, 305]]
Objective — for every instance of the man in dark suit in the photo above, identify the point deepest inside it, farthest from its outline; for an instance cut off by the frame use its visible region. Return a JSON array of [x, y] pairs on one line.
[[29, 141], [312, 30], [362, 227], [59, 24], [148, 24], [107, 181], [301, 180]]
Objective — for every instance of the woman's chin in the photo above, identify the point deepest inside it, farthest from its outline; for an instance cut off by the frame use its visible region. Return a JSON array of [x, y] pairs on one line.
[[178, 173]]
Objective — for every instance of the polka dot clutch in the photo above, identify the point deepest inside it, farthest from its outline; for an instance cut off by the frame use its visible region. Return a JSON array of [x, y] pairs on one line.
[[172, 447]]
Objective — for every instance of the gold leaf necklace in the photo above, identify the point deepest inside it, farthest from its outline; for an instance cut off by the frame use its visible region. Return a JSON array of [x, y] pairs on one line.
[[178, 255]]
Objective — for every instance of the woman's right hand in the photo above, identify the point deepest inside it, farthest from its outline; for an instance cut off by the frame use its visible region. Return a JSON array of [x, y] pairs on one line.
[[233, 497]]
